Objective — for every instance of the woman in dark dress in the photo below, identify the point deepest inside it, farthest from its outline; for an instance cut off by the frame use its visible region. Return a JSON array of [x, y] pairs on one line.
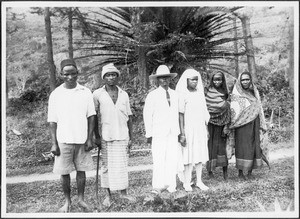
[[247, 120], [219, 109]]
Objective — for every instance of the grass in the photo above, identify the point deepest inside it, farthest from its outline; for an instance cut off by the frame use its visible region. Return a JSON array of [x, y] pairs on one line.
[[231, 196], [24, 152]]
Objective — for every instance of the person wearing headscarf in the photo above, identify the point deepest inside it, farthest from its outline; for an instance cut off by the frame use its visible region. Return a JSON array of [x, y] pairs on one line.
[[193, 120], [161, 122], [219, 109], [114, 115], [247, 120]]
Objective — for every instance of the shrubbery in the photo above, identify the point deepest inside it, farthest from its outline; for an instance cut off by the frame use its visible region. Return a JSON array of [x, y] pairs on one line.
[[277, 97]]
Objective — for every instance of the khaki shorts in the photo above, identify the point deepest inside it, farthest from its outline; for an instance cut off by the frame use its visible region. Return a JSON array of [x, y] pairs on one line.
[[72, 155]]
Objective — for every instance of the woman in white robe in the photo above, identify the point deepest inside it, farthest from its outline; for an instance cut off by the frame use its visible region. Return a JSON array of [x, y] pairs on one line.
[[193, 117]]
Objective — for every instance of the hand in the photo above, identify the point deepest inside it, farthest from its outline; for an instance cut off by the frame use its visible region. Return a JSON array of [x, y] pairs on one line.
[[88, 145], [182, 140], [55, 149], [97, 142], [149, 141], [225, 131], [129, 146], [207, 131]]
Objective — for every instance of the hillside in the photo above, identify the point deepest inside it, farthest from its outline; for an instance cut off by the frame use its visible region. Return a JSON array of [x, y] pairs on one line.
[[27, 72]]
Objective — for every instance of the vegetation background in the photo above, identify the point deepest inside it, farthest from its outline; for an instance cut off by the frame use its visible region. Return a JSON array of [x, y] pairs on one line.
[[28, 85]]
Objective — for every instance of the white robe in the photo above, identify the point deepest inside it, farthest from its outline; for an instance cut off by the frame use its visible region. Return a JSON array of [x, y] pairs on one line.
[[162, 124]]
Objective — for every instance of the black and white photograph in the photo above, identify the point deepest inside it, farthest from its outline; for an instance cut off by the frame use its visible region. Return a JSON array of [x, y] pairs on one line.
[[150, 109]]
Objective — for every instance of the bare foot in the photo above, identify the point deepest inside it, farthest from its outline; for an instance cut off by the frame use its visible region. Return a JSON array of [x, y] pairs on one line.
[[107, 202], [202, 186], [66, 208], [84, 206]]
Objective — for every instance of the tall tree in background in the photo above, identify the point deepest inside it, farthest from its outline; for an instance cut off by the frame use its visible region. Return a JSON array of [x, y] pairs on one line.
[[245, 16], [50, 49], [70, 33], [249, 47], [67, 13], [141, 50], [235, 44], [148, 37]]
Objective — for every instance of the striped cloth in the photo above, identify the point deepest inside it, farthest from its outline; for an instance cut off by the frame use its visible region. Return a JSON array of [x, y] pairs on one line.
[[114, 173]]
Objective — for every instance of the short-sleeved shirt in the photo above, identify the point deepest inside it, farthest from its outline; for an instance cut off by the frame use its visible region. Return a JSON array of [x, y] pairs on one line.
[[114, 116], [70, 108]]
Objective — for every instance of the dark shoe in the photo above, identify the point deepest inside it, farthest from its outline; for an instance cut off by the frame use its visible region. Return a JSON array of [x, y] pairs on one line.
[[210, 174]]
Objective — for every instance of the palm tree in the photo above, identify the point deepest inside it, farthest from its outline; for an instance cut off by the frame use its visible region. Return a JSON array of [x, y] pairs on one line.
[[144, 38]]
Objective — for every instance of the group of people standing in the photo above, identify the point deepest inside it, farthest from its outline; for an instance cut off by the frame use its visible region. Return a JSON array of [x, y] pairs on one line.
[[187, 127]]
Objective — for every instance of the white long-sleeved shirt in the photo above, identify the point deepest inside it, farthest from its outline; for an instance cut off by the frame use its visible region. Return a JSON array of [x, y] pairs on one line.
[[160, 119]]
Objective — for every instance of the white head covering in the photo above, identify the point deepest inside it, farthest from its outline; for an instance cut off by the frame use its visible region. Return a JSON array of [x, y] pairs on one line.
[[109, 68], [182, 83], [183, 91]]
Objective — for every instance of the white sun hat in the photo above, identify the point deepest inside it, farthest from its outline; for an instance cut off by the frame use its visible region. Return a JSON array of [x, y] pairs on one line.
[[163, 71]]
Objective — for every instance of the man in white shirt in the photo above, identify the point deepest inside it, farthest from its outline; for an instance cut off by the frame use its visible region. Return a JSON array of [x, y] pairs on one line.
[[161, 119], [114, 113], [71, 115]]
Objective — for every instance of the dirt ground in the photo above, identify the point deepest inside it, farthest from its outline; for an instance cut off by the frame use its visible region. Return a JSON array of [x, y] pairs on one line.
[[274, 155]]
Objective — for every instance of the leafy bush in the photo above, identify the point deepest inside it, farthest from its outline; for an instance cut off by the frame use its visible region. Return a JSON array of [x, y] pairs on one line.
[[276, 95], [282, 134]]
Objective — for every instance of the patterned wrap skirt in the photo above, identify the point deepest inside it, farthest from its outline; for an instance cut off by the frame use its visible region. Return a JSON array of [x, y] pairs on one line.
[[114, 163]]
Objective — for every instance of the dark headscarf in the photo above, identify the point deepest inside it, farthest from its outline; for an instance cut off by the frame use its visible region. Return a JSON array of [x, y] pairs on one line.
[[223, 89], [217, 103]]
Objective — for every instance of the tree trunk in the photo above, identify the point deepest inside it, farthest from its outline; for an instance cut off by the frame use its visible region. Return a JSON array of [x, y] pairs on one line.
[[236, 58], [6, 92], [142, 68], [50, 49], [140, 50], [249, 47], [70, 33]]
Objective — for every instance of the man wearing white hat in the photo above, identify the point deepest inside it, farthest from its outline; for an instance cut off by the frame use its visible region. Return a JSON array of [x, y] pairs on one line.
[[113, 110], [161, 118]]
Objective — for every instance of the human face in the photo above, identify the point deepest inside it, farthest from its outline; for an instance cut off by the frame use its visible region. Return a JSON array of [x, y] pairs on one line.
[[192, 83], [164, 81], [245, 81], [111, 78], [217, 80], [69, 75]]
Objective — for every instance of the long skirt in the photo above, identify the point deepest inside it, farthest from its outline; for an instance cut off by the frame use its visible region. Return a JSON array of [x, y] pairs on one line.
[[165, 161], [216, 148], [114, 173], [247, 146]]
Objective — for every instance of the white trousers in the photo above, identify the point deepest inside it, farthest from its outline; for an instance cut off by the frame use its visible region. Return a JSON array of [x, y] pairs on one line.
[[164, 154]]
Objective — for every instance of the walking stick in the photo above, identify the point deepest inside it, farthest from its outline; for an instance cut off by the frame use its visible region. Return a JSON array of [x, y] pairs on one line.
[[97, 175]]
